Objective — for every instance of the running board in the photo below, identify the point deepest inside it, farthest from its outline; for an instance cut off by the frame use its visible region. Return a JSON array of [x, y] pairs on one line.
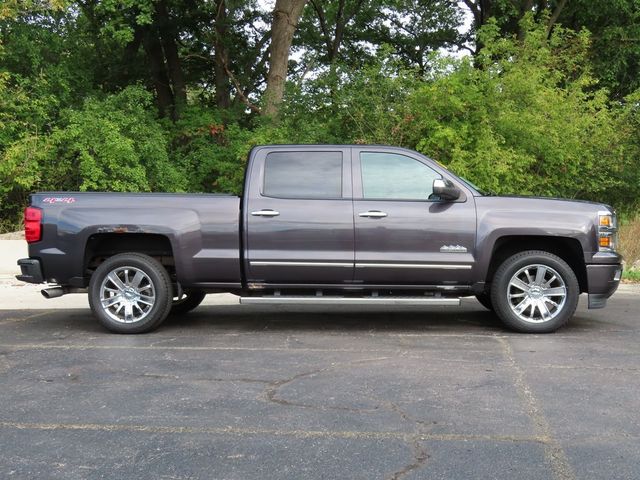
[[331, 300]]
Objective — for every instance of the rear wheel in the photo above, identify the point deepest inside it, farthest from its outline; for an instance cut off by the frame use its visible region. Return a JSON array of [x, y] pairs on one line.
[[535, 292], [130, 293], [189, 300]]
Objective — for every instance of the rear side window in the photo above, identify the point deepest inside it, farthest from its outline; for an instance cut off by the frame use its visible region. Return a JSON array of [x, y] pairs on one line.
[[303, 175]]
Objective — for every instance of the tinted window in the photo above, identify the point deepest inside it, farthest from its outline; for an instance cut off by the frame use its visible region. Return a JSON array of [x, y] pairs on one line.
[[303, 174], [396, 177]]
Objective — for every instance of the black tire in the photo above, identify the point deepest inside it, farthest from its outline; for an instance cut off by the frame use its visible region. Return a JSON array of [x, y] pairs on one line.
[[538, 292], [190, 299], [485, 300], [155, 281]]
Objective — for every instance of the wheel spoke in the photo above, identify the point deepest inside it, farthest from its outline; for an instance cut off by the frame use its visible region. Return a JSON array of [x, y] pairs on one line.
[[541, 272], [113, 277], [137, 278], [555, 292], [522, 306], [128, 313], [529, 278], [516, 282], [544, 311], [146, 300], [111, 301], [548, 284]]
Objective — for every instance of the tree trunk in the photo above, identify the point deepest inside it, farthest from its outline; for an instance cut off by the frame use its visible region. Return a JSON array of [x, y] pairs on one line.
[[554, 16], [285, 20], [168, 34], [155, 55], [223, 94]]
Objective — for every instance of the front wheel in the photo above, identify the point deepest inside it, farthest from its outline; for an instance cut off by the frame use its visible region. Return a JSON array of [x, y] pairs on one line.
[[535, 292], [130, 293]]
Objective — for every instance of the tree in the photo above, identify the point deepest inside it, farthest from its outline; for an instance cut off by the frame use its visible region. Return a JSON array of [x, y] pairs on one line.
[[285, 20], [615, 47], [509, 14]]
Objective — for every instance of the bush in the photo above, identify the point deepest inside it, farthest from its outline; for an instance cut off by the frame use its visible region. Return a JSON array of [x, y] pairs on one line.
[[113, 144]]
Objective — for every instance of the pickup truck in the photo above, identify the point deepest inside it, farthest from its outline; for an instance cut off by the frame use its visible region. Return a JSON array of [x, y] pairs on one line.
[[325, 224]]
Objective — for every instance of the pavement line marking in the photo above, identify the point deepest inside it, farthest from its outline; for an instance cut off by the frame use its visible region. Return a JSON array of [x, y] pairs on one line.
[[346, 434], [554, 454], [50, 346], [6, 321]]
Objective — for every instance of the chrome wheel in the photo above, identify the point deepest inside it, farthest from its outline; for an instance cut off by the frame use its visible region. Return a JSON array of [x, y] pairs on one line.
[[127, 294], [536, 293]]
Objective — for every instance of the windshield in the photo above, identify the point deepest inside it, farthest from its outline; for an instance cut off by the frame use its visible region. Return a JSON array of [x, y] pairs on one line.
[[473, 186]]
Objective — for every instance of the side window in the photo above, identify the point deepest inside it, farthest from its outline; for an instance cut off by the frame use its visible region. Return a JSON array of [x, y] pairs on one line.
[[395, 177], [303, 175]]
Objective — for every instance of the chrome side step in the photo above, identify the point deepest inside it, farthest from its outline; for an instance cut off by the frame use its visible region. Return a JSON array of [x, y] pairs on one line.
[[335, 300]]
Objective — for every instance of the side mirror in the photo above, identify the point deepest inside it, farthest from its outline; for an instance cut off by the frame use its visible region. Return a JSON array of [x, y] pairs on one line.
[[445, 189]]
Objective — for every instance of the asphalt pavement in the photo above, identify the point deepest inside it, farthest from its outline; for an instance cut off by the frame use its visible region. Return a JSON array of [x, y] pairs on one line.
[[248, 392]]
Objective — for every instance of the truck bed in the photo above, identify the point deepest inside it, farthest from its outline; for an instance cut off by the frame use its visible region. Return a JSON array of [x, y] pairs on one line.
[[203, 231]]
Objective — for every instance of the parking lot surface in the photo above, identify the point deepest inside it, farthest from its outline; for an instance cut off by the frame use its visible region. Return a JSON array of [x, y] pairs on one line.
[[240, 392]]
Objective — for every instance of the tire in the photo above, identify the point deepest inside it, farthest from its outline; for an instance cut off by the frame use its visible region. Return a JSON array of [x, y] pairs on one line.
[[190, 299], [130, 293], [528, 283], [485, 300]]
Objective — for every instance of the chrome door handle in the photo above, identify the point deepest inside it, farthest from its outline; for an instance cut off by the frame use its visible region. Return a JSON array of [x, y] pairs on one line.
[[373, 214], [265, 213]]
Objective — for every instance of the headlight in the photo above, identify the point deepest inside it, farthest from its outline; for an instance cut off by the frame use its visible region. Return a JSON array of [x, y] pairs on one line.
[[607, 232]]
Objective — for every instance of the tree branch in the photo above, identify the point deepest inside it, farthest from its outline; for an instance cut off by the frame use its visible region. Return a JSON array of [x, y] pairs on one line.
[[323, 24], [555, 15]]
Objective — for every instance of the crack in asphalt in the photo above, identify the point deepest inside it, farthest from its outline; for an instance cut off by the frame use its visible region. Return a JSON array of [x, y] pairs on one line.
[[553, 451], [420, 457], [271, 392], [418, 452]]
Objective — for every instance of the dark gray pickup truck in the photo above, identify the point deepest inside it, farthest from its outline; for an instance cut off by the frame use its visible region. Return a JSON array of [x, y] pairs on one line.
[[325, 224]]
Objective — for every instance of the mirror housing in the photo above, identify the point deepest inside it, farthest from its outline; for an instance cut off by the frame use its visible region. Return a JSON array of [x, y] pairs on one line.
[[446, 190]]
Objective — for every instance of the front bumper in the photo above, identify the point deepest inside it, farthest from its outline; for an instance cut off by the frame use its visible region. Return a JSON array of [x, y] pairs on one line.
[[31, 270], [602, 281]]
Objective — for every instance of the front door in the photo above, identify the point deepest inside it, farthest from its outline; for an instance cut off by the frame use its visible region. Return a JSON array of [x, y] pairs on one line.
[[403, 235], [299, 217]]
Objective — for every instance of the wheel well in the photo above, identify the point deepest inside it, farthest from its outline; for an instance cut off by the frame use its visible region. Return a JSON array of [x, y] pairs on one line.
[[104, 245], [569, 249]]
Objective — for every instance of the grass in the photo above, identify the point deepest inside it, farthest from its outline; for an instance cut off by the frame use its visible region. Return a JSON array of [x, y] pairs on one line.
[[631, 276], [630, 248]]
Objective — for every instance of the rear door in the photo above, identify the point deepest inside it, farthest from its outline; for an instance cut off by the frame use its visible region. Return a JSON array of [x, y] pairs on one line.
[[403, 235], [299, 217]]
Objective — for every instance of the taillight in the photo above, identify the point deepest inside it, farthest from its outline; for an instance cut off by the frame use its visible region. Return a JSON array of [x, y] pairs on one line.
[[32, 224]]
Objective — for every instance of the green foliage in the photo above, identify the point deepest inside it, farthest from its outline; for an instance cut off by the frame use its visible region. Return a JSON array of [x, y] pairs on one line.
[[113, 144], [631, 276], [529, 121], [527, 115], [526, 118]]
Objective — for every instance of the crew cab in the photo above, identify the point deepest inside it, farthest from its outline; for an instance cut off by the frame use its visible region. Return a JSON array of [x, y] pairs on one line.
[[325, 224]]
